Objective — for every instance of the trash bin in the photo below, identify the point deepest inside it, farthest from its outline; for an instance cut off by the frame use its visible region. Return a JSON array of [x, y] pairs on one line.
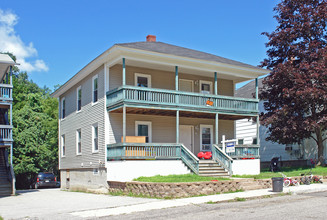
[[277, 184]]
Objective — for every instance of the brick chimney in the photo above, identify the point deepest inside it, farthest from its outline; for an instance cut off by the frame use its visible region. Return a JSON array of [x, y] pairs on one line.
[[151, 38]]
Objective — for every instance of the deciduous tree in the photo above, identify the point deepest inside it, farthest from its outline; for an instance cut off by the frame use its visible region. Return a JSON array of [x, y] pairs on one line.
[[296, 90]]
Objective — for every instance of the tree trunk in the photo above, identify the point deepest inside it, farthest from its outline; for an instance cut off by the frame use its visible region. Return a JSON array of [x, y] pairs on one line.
[[320, 147]]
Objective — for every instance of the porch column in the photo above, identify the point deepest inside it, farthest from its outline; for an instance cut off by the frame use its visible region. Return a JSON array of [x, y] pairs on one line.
[[256, 88], [258, 124], [177, 126], [124, 73], [176, 78], [11, 145], [176, 84], [216, 129], [216, 84], [124, 124]]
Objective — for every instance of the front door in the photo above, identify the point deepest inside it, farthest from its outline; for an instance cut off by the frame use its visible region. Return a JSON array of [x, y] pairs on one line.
[[186, 85], [206, 137], [186, 136]]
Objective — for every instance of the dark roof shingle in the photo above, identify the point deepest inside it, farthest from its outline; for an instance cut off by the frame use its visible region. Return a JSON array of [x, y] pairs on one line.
[[165, 48]]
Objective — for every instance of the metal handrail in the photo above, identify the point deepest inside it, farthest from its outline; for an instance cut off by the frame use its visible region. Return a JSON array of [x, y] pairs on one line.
[[222, 158]]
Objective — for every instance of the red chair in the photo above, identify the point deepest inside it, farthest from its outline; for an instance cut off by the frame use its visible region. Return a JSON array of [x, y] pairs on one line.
[[207, 155], [201, 155]]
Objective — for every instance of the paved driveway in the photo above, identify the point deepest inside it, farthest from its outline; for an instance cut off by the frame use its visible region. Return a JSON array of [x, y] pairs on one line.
[[56, 204]]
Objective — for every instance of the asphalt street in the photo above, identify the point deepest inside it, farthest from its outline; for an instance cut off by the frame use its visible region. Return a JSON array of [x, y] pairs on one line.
[[304, 206]]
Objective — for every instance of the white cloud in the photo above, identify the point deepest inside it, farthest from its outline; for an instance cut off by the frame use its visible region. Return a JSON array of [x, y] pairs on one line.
[[11, 42]]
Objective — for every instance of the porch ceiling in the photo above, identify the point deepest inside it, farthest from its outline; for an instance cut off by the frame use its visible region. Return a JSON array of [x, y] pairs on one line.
[[188, 114]]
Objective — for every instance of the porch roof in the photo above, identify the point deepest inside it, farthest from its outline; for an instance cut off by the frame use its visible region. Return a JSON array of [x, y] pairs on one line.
[[5, 63]]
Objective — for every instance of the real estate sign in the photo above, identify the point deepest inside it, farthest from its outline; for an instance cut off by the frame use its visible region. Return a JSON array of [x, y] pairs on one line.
[[230, 147]]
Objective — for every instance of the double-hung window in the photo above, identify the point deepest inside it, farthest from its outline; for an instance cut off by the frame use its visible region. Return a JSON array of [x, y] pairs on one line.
[[95, 88], [78, 142], [79, 99], [63, 147], [95, 139], [144, 128], [63, 108], [205, 87], [142, 80]]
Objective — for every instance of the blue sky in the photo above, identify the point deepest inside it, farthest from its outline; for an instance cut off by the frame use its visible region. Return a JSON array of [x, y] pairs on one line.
[[55, 39]]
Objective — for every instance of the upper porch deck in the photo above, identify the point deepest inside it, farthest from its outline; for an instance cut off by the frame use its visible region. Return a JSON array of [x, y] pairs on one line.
[[133, 96]]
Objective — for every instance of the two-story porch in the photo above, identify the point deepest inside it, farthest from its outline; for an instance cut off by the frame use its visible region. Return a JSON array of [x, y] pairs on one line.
[[7, 178], [180, 113]]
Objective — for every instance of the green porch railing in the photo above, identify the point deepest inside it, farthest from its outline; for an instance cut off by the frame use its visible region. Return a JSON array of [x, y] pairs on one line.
[[6, 92], [6, 133], [123, 151], [162, 97], [222, 158], [244, 151]]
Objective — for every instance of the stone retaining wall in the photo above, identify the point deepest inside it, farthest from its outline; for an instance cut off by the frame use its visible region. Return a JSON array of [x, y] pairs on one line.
[[178, 190]]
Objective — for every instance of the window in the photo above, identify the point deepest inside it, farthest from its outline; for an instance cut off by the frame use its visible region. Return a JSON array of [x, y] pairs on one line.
[[240, 141], [95, 135], [78, 142], [95, 171], [205, 87], [206, 137], [142, 80], [144, 128], [79, 98], [255, 141], [95, 88], [63, 108], [63, 147]]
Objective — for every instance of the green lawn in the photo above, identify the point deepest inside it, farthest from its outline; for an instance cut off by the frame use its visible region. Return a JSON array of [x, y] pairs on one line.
[[288, 171], [177, 178]]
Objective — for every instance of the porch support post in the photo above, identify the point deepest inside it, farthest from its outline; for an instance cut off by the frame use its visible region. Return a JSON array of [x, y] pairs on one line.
[[256, 89], [176, 84], [177, 126], [124, 73], [216, 84], [11, 145], [176, 78], [216, 129], [124, 124], [258, 134]]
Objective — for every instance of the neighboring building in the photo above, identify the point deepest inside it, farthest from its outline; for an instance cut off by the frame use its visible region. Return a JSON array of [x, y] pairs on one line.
[[146, 108], [292, 154], [7, 176]]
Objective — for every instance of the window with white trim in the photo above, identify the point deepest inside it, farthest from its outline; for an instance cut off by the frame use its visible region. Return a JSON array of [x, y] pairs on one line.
[[144, 128], [63, 108], [95, 89], [205, 87], [63, 146], [95, 139], [79, 142], [142, 80], [79, 98]]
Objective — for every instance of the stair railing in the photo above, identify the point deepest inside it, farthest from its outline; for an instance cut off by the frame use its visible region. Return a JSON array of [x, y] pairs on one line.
[[222, 158], [189, 159]]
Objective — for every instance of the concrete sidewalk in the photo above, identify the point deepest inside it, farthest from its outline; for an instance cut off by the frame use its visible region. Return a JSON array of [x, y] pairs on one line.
[[160, 204]]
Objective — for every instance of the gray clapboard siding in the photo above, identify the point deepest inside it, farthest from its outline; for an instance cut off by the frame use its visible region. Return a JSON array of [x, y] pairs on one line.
[[89, 115]]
